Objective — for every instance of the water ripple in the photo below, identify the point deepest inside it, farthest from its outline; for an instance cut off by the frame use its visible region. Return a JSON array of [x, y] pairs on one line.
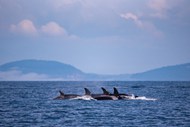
[[32, 104]]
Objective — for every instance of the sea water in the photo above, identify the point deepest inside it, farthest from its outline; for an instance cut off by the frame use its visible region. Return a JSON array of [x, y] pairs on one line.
[[161, 104]]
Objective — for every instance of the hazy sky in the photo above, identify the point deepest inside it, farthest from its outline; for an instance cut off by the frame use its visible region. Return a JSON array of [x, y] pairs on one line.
[[97, 36]]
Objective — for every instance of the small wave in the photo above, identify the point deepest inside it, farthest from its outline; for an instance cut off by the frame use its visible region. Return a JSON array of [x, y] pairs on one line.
[[145, 98], [87, 98], [132, 97]]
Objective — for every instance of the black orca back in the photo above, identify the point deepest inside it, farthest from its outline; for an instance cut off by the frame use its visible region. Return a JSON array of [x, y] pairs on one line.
[[105, 92], [61, 93], [87, 91]]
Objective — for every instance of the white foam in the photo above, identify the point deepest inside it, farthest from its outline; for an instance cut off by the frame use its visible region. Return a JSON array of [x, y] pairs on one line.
[[85, 97], [145, 98], [132, 97]]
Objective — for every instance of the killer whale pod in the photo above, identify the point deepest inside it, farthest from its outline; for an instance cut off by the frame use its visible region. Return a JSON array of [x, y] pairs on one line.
[[106, 95]]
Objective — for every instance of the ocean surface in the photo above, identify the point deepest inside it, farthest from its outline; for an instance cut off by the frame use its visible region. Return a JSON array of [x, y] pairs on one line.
[[160, 104]]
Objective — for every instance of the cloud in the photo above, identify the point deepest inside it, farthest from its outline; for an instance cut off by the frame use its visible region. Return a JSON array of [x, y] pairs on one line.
[[163, 8], [15, 75], [159, 7], [52, 28], [25, 27], [151, 28], [142, 24], [131, 16]]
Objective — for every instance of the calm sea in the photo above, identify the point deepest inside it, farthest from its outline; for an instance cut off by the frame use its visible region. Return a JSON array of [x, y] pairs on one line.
[[162, 104]]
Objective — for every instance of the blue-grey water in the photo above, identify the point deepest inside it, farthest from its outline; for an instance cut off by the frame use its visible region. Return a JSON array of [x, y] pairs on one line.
[[32, 104]]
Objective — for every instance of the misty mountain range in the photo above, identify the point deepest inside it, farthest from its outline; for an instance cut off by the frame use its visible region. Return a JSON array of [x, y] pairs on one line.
[[41, 70]]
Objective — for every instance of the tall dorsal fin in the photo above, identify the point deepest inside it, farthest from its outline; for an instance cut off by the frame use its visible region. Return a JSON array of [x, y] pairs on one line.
[[116, 93], [61, 93], [105, 92], [87, 91]]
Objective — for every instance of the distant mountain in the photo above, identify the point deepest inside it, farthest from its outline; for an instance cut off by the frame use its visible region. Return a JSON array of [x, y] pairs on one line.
[[52, 70], [48, 69], [170, 73], [42, 67]]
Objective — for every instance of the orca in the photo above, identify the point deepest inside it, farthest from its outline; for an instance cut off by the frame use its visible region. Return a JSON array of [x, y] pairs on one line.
[[115, 94], [105, 92], [63, 96], [89, 94], [104, 96], [122, 95]]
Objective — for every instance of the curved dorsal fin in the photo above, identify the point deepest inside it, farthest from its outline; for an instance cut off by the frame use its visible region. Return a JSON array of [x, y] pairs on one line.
[[61, 93], [116, 93], [105, 92], [87, 91]]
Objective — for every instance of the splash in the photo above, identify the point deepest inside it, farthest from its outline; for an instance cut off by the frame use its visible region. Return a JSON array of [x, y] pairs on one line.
[[132, 97], [85, 97], [145, 98]]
